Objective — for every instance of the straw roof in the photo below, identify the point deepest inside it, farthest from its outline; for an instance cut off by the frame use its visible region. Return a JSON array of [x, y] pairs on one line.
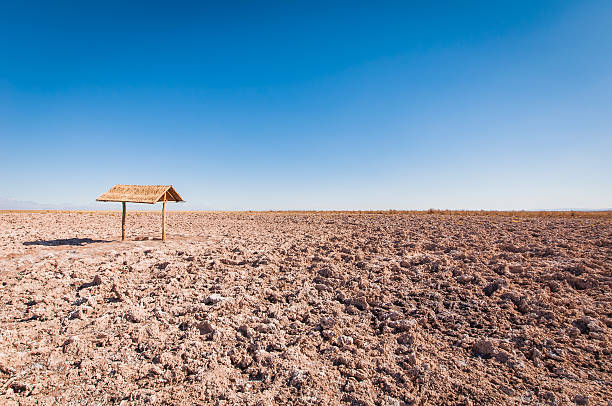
[[141, 194]]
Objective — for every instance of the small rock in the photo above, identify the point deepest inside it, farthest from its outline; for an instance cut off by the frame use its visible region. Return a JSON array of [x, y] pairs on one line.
[[19, 387], [71, 340], [246, 331], [241, 360], [581, 399], [507, 390], [79, 301], [595, 326], [516, 269], [298, 378], [162, 265], [345, 341], [155, 370], [407, 339], [484, 348], [351, 385], [272, 297], [117, 292], [393, 316], [501, 269], [206, 328], [359, 302], [403, 325], [76, 314], [391, 401], [556, 354], [327, 322], [97, 280], [587, 324], [360, 374], [580, 283], [463, 279], [501, 356], [329, 334], [573, 332], [135, 315], [213, 299], [494, 286], [321, 287], [326, 272], [343, 359], [266, 328], [535, 356], [554, 286], [6, 369]]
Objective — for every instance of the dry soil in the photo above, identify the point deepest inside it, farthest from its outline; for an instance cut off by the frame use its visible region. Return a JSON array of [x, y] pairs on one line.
[[305, 309]]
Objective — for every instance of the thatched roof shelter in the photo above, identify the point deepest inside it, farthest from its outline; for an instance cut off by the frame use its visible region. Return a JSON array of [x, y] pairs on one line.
[[150, 194], [141, 194]]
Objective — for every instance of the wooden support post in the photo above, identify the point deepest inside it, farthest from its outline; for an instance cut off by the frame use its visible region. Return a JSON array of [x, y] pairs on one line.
[[123, 223], [164, 220]]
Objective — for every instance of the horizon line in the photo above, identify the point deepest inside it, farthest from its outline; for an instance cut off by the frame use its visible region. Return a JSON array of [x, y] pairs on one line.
[[364, 211]]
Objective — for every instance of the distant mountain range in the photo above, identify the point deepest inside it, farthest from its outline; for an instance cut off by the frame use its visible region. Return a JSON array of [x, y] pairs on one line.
[[14, 204], [572, 210], [7, 203]]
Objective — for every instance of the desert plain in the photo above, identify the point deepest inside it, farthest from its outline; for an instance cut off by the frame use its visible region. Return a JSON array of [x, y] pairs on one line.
[[305, 308]]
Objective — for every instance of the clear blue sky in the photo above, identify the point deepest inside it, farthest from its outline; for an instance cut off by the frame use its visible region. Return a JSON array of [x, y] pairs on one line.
[[310, 105]]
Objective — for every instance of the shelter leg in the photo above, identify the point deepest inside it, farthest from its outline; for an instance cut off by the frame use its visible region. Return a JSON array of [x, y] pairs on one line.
[[164, 222], [123, 222]]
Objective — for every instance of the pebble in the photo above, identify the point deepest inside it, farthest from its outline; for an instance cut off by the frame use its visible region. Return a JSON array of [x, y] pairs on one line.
[[507, 390], [246, 331], [136, 314], [214, 298], [206, 328], [359, 302], [483, 348], [76, 314], [581, 399], [345, 341], [327, 323]]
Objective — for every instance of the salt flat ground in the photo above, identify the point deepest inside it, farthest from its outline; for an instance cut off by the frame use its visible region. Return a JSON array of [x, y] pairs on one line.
[[305, 309]]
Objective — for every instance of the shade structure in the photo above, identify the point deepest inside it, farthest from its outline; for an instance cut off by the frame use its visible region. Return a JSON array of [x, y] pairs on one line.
[[150, 194]]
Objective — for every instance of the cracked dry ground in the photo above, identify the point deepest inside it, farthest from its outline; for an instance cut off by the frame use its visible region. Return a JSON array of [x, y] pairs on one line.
[[305, 309]]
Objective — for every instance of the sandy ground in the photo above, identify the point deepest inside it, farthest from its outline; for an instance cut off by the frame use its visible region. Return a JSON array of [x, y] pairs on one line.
[[305, 309]]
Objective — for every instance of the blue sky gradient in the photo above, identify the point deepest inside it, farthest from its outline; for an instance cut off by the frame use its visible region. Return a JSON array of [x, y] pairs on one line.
[[310, 105]]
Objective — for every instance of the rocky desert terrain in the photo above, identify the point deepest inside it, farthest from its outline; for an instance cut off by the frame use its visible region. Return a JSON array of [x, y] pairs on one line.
[[306, 308]]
